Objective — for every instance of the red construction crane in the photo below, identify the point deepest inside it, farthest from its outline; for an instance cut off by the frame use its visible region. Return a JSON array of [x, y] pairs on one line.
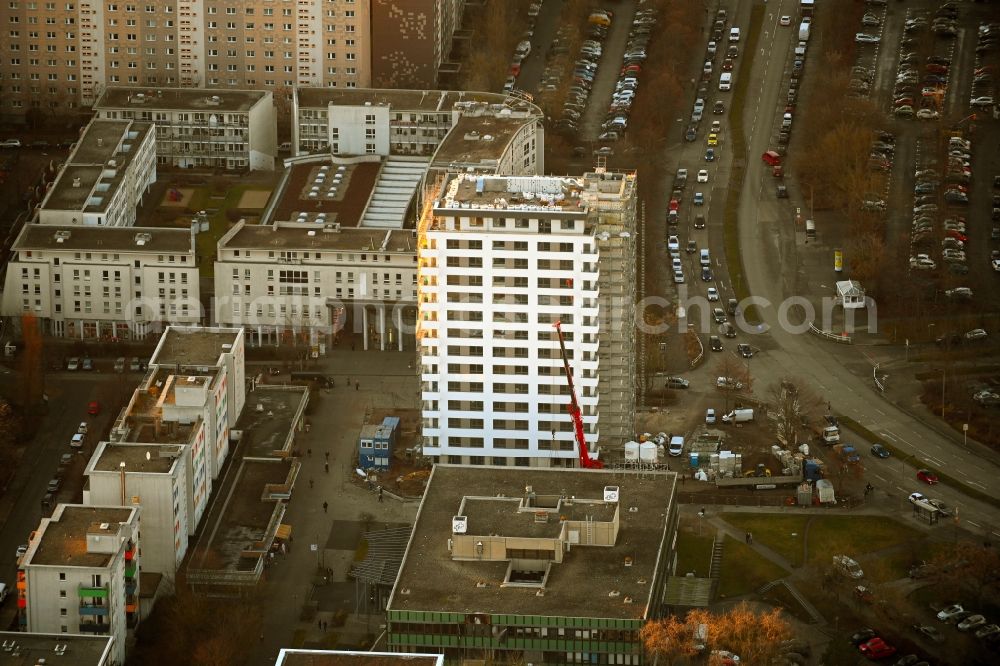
[[574, 408]]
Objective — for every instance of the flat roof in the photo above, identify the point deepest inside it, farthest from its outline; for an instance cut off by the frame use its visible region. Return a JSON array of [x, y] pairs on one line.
[[577, 587], [530, 194], [476, 139], [29, 649], [101, 142], [298, 237], [353, 184], [155, 240], [63, 542], [193, 346], [245, 515], [400, 100], [266, 430], [290, 657], [179, 99], [161, 457]]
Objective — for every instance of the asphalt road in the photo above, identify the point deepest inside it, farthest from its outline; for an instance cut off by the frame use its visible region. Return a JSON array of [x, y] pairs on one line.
[[793, 353], [69, 394]]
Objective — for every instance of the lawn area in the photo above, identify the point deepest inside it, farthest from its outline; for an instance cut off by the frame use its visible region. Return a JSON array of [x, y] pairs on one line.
[[781, 597], [694, 552], [744, 570], [856, 535], [828, 535], [781, 533], [218, 225]]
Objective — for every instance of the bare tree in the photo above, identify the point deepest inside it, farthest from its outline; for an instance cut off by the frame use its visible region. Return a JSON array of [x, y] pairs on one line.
[[792, 403]]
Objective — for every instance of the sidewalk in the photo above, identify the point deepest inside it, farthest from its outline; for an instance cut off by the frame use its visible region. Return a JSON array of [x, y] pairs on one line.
[[328, 539]]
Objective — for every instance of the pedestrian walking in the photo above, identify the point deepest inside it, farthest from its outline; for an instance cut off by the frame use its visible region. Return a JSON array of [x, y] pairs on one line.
[[352, 346], [746, 537], [310, 484], [319, 624], [326, 467], [357, 386], [750, 536], [309, 452], [380, 493], [327, 456], [325, 506]]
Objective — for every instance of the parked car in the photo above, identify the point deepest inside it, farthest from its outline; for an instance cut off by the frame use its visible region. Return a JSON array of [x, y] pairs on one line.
[[930, 632], [971, 622], [73, 364], [876, 648], [949, 612], [677, 383], [848, 567]]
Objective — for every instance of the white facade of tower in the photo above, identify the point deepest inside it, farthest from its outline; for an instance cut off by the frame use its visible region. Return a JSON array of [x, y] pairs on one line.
[[501, 260]]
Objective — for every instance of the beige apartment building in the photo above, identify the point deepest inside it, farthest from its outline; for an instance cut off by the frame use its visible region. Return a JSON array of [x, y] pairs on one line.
[[60, 55], [199, 127]]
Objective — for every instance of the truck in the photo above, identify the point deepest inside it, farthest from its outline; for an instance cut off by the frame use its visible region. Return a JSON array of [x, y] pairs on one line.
[[824, 490], [831, 434], [806, 7], [847, 453], [804, 30], [738, 416]]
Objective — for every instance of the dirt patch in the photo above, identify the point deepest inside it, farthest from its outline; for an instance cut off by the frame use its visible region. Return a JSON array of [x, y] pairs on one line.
[[177, 197], [254, 199]]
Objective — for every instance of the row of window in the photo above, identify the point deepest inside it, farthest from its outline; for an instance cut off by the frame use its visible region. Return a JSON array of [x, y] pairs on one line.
[[294, 255]]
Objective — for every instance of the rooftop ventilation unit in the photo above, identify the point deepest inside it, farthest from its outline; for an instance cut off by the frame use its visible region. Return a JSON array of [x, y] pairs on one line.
[[62, 236], [459, 525], [142, 239], [76, 182], [611, 494]]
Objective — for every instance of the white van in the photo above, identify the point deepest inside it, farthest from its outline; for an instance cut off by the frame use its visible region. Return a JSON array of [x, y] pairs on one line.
[[726, 81], [704, 258], [676, 445], [734, 34], [811, 229], [738, 416]]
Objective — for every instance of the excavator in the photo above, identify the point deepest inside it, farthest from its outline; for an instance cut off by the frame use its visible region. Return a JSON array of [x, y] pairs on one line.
[[574, 408]]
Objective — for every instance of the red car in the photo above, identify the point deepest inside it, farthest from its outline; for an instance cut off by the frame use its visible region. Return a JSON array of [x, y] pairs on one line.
[[94, 408], [927, 476], [674, 204], [957, 235], [876, 648]]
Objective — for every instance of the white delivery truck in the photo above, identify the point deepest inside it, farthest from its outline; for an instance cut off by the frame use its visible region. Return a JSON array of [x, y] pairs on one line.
[[738, 416], [804, 30]]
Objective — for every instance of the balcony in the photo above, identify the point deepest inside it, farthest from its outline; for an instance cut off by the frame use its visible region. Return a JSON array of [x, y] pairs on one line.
[[96, 592], [91, 628], [92, 610]]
